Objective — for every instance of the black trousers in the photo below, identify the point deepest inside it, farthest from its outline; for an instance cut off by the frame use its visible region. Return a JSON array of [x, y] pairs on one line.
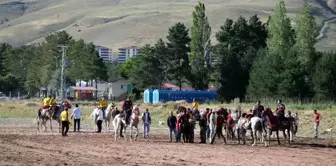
[[203, 134], [65, 127], [99, 125], [76, 124]]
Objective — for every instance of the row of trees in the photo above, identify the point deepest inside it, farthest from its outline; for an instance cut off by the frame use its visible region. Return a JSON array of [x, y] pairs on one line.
[[28, 68], [251, 58]]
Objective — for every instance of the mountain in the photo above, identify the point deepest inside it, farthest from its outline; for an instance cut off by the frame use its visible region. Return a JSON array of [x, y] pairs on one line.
[[119, 23]]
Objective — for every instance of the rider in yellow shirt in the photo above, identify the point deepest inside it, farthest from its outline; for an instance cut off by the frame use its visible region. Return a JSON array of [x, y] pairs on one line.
[[46, 102], [53, 101], [103, 105]]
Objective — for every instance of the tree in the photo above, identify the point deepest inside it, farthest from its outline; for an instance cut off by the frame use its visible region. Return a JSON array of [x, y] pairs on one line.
[[237, 48], [275, 71], [306, 33], [161, 55], [113, 70], [324, 78], [200, 48], [280, 34], [6, 51], [178, 49]]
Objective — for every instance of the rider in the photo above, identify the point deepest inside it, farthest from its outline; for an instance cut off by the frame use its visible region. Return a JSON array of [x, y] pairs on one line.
[[195, 107], [258, 109], [127, 107], [46, 102], [280, 110], [103, 105], [53, 106]]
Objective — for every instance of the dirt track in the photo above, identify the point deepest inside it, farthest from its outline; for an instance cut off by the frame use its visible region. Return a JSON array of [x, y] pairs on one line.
[[24, 146]]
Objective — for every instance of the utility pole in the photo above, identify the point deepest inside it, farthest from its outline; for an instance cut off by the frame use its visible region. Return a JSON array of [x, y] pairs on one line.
[[62, 69]]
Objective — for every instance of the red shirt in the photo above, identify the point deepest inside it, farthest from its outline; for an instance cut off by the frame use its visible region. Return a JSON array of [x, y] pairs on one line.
[[316, 117], [208, 116], [229, 118]]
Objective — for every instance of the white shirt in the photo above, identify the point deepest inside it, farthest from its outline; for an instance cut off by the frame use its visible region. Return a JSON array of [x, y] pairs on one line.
[[77, 113], [100, 114], [234, 117]]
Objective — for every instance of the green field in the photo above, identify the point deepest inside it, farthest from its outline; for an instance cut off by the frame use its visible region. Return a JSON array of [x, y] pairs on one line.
[[117, 23]]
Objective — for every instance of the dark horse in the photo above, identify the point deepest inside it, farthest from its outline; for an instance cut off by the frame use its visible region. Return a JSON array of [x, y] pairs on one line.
[[186, 128], [276, 123]]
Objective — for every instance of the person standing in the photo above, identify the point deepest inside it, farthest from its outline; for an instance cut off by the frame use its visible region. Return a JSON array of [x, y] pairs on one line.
[[76, 115], [100, 118], [65, 122], [171, 122], [317, 118], [146, 120], [212, 124], [218, 128], [208, 113], [103, 105], [203, 127]]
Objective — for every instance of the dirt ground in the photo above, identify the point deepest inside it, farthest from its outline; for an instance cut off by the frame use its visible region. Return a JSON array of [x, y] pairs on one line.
[[25, 146]]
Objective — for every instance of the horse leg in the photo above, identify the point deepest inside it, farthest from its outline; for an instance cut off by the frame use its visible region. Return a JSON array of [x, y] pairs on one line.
[[255, 137], [131, 129], [116, 127], [290, 134], [51, 125], [238, 135], [284, 134], [251, 133], [137, 132], [277, 135]]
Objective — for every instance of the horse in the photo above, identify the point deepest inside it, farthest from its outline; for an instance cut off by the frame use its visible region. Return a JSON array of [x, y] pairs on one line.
[[257, 125], [94, 118], [274, 124], [134, 122], [242, 127], [108, 118], [119, 120], [43, 115]]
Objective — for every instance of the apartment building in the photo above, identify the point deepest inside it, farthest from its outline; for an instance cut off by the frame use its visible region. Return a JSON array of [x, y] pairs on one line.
[[127, 52], [105, 53]]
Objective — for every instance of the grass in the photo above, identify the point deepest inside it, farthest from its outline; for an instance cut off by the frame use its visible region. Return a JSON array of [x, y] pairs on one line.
[[160, 112], [143, 22]]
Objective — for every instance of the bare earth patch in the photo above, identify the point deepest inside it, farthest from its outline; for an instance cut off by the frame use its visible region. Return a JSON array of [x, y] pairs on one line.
[[24, 146]]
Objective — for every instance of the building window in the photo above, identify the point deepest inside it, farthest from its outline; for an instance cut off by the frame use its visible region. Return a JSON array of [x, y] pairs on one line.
[[121, 86]]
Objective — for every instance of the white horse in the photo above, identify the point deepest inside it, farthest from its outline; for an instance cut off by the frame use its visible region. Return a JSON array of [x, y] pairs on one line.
[[257, 125], [45, 115], [134, 122], [119, 120], [108, 118], [94, 118]]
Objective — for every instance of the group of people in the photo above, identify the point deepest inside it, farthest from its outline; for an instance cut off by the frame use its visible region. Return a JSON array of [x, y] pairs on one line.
[[212, 121]]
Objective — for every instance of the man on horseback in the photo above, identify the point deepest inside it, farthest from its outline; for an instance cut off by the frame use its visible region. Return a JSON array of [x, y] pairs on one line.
[[127, 109], [280, 111], [258, 109], [46, 102]]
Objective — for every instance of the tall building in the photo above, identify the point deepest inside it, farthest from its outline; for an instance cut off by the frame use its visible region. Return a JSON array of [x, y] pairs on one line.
[[105, 53], [127, 52]]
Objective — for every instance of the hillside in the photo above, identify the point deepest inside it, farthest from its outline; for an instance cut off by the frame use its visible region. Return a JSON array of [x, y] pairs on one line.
[[117, 23]]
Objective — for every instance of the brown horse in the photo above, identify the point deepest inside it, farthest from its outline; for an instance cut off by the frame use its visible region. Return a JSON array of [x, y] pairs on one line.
[[275, 124]]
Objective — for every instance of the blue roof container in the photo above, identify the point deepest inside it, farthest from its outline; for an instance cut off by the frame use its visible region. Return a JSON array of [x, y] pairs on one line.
[[174, 95], [148, 96]]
